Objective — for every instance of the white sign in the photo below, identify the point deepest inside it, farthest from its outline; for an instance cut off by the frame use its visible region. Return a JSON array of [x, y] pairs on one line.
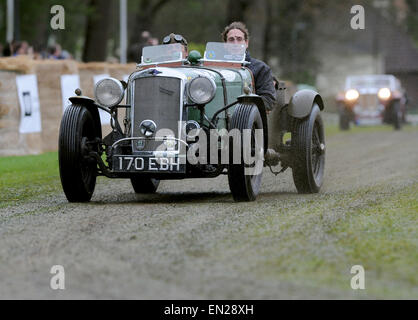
[[27, 90], [69, 82], [104, 116]]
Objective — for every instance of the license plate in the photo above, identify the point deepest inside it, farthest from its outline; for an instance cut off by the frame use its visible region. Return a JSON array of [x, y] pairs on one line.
[[148, 164]]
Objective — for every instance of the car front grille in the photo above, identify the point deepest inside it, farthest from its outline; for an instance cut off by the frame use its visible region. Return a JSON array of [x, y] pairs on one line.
[[156, 99], [368, 101]]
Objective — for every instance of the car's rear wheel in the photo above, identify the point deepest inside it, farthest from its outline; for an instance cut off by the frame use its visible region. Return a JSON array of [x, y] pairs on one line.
[[396, 115], [77, 137], [308, 147], [145, 185], [245, 179], [344, 119]]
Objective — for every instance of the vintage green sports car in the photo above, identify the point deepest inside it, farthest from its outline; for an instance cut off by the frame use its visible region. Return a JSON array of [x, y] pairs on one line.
[[190, 118]]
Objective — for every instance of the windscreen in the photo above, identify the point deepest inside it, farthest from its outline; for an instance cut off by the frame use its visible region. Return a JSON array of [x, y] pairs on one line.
[[220, 51], [369, 82], [162, 53]]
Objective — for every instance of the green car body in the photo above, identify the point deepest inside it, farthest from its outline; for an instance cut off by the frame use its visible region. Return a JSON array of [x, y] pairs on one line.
[[180, 97]]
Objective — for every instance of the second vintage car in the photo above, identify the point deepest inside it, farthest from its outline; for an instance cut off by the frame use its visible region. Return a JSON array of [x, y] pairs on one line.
[[190, 117], [372, 99]]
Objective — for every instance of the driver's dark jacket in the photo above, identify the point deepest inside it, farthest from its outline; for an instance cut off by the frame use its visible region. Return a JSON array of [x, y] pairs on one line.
[[263, 78]]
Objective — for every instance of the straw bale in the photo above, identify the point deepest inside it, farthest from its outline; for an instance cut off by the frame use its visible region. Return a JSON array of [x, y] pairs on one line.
[[49, 73]]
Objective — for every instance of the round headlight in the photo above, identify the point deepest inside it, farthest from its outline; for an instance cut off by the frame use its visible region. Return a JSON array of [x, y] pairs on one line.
[[202, 90], [384, 93], [109, 92], [352, 95]]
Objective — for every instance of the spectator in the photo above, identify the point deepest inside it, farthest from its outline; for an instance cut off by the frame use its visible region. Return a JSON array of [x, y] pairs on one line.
[[135, 50], [55, 52], [38, 52], [20, 48]]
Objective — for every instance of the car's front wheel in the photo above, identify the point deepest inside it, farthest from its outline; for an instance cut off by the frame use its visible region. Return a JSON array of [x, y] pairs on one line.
[[245, 177], [77, 137], [308, 145]]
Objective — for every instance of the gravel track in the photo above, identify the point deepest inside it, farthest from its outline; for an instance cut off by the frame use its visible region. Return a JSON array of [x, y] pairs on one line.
[[182, 242]]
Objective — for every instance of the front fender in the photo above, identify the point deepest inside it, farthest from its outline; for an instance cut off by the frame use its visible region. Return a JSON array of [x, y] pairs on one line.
[[258, 101], [300, 105], [92, 107]]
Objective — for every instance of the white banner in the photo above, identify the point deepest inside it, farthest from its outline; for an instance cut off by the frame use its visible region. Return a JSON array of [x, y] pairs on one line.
[[27, 90], [104, 116], [69, 83]]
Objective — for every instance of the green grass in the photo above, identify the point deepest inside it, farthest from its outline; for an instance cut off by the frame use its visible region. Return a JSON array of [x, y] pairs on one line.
[[28, 176], [315, 243], [331, 130]]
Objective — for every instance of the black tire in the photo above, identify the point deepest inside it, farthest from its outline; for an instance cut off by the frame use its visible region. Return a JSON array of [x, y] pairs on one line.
[[308, 147], [78, 174], [396, 115], [145, 185], [245, 187]]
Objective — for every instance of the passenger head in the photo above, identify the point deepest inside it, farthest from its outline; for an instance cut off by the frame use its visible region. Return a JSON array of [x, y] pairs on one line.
[[236, 33]]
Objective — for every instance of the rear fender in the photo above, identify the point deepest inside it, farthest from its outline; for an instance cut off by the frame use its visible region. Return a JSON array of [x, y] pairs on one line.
[[300, 105]]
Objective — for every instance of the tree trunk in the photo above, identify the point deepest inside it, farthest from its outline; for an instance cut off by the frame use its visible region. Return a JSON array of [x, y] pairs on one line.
[[95, 48]]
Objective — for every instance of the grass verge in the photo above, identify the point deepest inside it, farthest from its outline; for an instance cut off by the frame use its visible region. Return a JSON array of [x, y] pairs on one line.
[[28, 176], [314, 244]]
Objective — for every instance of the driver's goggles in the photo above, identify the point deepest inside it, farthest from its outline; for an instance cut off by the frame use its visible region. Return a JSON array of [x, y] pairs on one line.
[[178, 38]]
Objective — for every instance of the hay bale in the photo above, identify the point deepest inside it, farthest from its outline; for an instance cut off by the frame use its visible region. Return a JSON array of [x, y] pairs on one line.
[[87, 72], [49, 74], [20, 64], [118, 71], [10, 142]]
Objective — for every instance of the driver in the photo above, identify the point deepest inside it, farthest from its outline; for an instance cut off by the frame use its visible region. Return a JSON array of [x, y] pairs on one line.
[[237, 33], [177, 38]]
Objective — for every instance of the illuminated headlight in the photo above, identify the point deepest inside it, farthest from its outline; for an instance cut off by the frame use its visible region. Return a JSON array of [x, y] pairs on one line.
[[384, 93], [352, 95], [109, 92], [202, 90]]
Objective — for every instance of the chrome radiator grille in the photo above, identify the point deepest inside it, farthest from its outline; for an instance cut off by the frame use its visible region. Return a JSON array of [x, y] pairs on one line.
[[156, 99], [368, 101]]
